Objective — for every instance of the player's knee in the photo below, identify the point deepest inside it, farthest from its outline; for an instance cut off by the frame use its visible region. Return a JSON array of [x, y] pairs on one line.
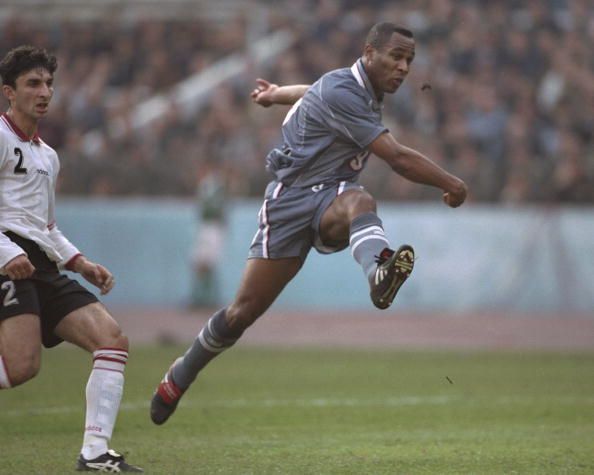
[[113, 338], [24, 368], [360, 203], [118, 340], [122, 342]]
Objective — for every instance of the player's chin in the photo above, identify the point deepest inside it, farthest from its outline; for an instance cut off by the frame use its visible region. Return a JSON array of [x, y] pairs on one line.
[[391, 88], [39, 114]]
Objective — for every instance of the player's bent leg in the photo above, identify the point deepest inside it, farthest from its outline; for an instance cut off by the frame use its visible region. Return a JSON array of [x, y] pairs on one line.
[[92, 328], [263, 280], [20, 349], [352, 216], [393, 268], [336, 220]]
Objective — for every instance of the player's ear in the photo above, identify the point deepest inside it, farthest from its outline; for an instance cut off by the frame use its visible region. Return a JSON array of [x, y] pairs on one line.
[[8, 92], [368, 54]]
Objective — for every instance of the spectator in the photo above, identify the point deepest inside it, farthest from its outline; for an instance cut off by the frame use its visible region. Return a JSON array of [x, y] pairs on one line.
[[511, 83]]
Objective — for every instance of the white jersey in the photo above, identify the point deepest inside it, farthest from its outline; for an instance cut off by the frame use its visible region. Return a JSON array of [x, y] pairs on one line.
[[28, 173]]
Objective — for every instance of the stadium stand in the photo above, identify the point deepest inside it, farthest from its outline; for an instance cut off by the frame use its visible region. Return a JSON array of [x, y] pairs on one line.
[[506, 107]]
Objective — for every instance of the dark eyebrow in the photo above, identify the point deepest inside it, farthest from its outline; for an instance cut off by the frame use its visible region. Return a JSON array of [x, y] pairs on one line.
[[402, 51], [35, 80]]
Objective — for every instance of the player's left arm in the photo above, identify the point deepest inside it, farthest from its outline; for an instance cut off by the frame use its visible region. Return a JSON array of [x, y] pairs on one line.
[[266, 94], [94, 273], [72, 259], [416, 167]]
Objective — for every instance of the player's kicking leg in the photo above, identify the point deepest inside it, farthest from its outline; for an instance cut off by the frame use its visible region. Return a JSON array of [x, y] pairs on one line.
[[263, 280], [352, 216], [93, 329], [385, 268], [393, 268]]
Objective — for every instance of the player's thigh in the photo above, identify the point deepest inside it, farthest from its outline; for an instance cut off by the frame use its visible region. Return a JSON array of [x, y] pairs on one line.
[[262, 282], [20, 346], [336, 220], [91, 327], [20, 327]]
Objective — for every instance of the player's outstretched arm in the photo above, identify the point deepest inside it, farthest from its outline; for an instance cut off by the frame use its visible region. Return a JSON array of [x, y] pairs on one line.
[[266, 94], [416, 167], [96, 274]]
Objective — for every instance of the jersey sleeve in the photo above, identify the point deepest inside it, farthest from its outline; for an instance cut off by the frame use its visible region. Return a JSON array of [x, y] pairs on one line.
[[64, 247], [8, 251], [352, 116]]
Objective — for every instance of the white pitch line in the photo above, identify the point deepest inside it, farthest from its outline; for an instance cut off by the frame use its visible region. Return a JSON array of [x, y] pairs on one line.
[[264, 403], [310, 403]]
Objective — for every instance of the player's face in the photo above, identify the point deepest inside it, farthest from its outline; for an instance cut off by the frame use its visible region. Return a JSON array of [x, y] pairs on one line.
[[32, 94], [388, 66]]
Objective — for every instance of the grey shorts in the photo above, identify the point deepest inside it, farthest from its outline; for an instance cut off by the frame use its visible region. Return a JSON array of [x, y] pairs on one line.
[[289, 220]]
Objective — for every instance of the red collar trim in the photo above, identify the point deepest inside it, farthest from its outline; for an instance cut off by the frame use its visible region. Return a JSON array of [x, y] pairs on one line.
[[19, 133]]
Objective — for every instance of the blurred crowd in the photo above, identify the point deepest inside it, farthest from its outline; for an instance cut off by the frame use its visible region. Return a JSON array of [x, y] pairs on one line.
[[500, 93]]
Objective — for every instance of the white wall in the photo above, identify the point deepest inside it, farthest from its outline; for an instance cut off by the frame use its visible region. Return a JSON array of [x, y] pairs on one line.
[[477, 258]]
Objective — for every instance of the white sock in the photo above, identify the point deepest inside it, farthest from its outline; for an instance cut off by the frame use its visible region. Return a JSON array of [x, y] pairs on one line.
[[4, 379], [367, 240], [104, 393]]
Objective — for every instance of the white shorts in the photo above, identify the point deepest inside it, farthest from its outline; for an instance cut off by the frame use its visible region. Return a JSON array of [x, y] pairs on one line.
[[208, 246]]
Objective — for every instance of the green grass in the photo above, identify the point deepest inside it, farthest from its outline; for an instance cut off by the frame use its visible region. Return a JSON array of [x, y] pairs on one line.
[[256, 411]]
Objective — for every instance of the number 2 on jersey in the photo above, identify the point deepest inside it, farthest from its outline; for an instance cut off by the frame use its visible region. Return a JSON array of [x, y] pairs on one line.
[[19, 169], [9, 298]]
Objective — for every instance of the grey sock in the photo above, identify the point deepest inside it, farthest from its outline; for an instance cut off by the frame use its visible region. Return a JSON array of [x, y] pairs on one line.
[[214, 338], [367, 241]]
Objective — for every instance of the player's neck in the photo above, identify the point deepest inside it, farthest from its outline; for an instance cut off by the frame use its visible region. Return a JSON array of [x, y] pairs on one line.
[[27, 124], [378, 95]]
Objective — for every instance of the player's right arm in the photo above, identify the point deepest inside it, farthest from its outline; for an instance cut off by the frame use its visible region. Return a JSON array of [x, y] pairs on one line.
[[267, 94], [19, 268], [13, 260], [416, 167]]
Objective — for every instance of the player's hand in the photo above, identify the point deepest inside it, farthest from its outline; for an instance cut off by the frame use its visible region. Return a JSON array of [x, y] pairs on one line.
[[19, 268], [263, 94], [96, 274], [456, 195]]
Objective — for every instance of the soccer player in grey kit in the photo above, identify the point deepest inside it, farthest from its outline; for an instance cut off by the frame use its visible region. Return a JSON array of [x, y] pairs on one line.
[[314, 199]]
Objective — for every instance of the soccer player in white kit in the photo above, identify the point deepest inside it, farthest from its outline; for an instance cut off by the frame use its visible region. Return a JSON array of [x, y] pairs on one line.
[[38, 304]]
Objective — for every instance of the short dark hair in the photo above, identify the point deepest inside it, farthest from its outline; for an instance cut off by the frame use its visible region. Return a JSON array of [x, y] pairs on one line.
[[381, 33], [23, 59]]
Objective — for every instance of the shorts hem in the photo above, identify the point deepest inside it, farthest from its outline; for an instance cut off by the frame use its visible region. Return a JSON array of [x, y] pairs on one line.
[[49, 338]]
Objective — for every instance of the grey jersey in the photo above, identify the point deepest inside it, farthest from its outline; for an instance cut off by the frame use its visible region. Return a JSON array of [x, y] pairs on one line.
[[327, 132]]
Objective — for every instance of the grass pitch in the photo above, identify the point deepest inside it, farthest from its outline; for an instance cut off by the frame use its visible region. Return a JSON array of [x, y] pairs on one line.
[[308, 411]]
